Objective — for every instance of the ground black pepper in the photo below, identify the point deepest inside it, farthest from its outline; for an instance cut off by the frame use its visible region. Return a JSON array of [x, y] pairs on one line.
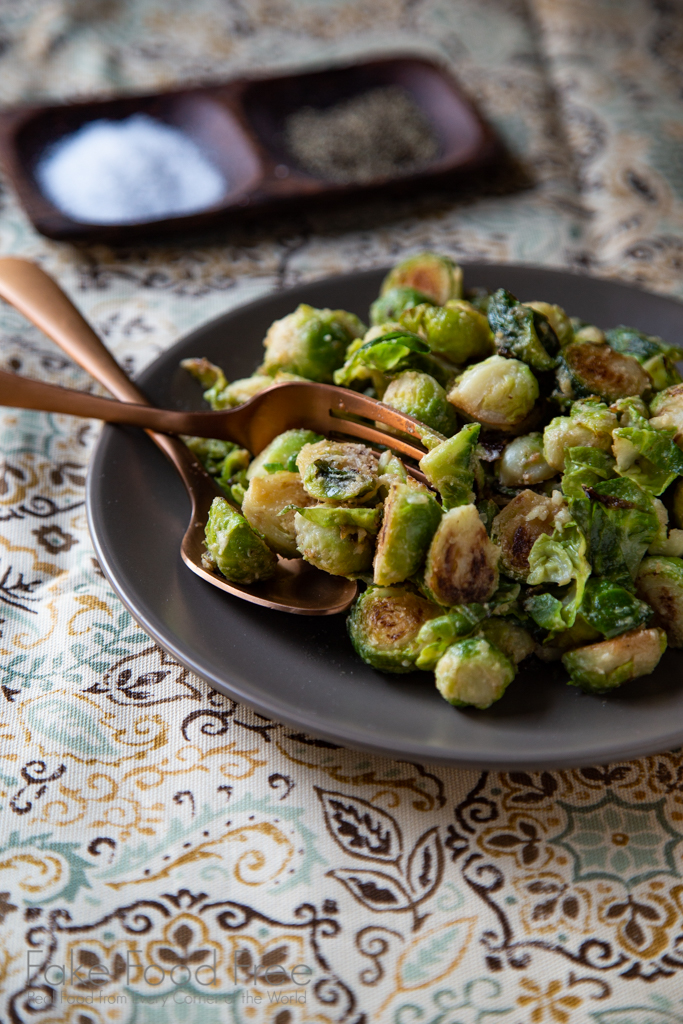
[[377, 134]]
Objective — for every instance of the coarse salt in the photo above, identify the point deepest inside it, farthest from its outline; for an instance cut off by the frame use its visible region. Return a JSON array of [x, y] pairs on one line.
[[121, 172]]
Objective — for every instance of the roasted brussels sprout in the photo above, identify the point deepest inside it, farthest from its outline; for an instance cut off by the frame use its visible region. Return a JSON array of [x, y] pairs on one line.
[[649, 456], [263, 503], [589, 425], [240, 391], [378, 359], [523, 463], [656, 356], [499, 393], [310, 342], [560, 560], [419, 395], [557, 318], [608, 664], [338, 540], [509, 637], [473, 672], [457, 330], [517, 528], [234, 548], [390, 470], [462, 563], [392, 303], [338, 471], [384, 624], [226, 462], [623, 523], [212, 454], [450, 467], [632, 412], [584, 468], [411, 516], [586, 369], [660, 583], [666, 411], [521, 332], [588, 333], [220, 394], [282, 452], [437, 635], [210, 376], [438, 277], [611, 610]]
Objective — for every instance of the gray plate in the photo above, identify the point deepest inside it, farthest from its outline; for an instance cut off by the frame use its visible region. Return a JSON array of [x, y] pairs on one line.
[[303, 671]]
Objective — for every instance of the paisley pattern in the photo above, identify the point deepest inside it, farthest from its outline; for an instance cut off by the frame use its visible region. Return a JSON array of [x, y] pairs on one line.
[[167, 855]]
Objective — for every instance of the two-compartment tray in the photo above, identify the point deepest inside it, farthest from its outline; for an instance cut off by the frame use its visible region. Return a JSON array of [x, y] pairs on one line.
[[240, 125]]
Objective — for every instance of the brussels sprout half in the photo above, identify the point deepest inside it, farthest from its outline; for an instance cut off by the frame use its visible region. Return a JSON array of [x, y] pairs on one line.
[[457, 330], [608, 664], [419, 395], [509, 637], [589, 425], [438, 277], [450, 466], [523, 463], [310, 342], [517, 528], [473, 672], [462, 563], [660, 583], [338, 471], [586, 369], [392, 303], [499, 393], [338, 540], [384, 624], [234, 548], [263, 503], [411, 516]]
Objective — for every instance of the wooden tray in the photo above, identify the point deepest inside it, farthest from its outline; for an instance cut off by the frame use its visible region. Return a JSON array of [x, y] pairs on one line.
[[239, 124]]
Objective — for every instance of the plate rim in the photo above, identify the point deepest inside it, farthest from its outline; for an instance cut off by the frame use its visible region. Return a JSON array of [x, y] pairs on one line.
[[271, 709]]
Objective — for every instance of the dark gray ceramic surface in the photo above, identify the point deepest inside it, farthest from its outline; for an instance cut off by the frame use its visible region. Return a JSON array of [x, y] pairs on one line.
[[303, 671]]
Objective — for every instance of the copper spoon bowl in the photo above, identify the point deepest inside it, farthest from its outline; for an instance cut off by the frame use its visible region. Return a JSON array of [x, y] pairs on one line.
[[296, 587]]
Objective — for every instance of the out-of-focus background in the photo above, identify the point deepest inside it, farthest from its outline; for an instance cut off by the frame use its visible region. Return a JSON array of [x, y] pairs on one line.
[[138, 801], [585, 94]]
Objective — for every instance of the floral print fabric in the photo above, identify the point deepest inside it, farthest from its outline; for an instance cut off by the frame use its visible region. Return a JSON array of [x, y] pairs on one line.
[[167, 855]]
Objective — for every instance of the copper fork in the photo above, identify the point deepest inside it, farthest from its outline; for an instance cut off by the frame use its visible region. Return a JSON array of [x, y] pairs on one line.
[[296, 586]]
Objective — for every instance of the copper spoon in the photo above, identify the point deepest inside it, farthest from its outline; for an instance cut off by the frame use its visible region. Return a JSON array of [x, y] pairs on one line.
[[296, 586]]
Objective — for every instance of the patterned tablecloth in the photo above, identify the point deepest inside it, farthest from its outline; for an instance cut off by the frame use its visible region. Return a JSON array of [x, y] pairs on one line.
[[163, 848]]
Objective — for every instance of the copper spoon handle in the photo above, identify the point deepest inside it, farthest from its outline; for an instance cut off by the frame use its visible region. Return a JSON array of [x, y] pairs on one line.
[[30, 290]]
